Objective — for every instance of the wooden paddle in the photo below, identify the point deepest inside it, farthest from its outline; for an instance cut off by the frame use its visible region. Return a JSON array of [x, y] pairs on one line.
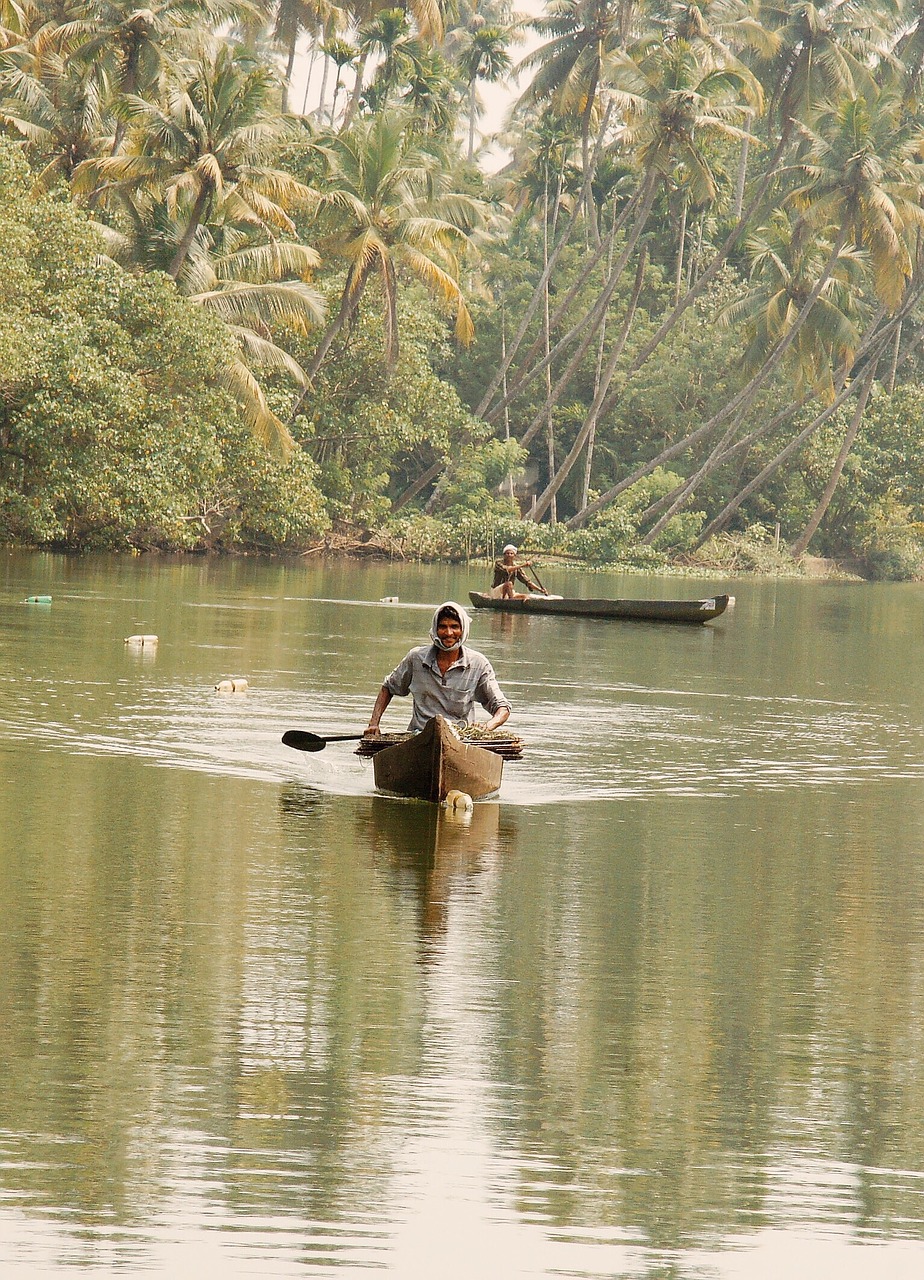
[[538, 579], [301, 740]]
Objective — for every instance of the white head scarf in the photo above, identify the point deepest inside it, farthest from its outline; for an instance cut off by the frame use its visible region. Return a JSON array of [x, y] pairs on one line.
[[463, 618]]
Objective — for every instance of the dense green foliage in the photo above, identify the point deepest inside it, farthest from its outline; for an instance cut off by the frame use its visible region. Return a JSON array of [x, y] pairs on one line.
[[114, 430], [683, 321]]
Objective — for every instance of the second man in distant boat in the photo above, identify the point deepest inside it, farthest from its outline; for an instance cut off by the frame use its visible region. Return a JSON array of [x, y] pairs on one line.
[[509, 570]]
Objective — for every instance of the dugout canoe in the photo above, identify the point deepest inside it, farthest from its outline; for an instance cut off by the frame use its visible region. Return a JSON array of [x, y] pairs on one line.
[[688, 611], [430, 764]]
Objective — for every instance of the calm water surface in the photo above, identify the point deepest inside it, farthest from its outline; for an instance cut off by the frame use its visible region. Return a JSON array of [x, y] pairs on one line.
[[658, 1012]]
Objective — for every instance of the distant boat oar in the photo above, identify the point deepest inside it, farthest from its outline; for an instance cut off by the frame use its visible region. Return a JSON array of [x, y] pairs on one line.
[[538, 579], [301, 740]]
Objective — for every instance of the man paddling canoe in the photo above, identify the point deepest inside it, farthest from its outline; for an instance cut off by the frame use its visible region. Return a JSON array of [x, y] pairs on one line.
[[444, 678], [508, 570]]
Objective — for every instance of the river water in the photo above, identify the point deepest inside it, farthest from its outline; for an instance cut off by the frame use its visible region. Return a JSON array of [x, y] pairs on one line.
[[658, 1011]]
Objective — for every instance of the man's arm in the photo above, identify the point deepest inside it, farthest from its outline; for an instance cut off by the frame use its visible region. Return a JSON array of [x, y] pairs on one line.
[[491, 698], [381, 702]]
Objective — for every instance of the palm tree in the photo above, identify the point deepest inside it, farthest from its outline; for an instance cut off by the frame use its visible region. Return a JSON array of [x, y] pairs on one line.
[[252, 284], [678, 108], [785, 262], [862, 171], [483, 56], [427, 28], [205, 151], [57, 106], [389, 37], [130, 41], [432, 96], [391, 205], [586, 36], [342, 54]]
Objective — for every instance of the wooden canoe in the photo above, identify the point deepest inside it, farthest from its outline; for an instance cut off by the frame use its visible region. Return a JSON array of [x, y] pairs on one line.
[[430, 764], [689, 611]]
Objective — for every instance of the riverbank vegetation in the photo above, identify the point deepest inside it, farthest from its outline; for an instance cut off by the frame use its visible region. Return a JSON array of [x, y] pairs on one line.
[[680, 323]]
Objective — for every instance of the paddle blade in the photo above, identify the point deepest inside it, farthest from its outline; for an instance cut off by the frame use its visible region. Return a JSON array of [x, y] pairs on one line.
[[301, 740]]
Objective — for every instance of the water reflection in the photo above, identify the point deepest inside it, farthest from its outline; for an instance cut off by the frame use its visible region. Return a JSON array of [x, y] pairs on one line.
[[431, 852], [660, 1011]]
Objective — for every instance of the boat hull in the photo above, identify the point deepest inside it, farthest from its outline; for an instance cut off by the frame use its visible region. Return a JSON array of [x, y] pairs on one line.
[[435, 762], [687, 611]]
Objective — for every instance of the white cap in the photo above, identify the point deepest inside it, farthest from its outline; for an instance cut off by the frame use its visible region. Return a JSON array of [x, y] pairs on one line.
[[510, 547]]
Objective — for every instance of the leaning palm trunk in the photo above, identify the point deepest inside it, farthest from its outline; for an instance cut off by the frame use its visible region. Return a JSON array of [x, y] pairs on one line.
[[740, 403], [667, 326], [591, 316], [590, 322], [540, 286], [355, 96], [800, 546], [349, 301], [871, 348], [588, 431], [195, 220], [590, 422]]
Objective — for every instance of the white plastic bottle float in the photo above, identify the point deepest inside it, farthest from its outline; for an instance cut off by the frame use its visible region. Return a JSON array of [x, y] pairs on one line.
[[141, 642], [458, 800], [237, 684]]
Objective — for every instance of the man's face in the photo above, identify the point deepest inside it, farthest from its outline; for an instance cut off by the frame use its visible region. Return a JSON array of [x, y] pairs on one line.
[[510, 556], [449, 630]]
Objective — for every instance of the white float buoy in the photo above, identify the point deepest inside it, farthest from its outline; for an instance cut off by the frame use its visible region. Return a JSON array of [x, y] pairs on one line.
[[458, 800], [236, 685], [389, 600], [142, 641]]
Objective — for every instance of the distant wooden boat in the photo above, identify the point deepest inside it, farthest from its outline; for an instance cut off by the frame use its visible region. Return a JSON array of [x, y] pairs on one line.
[[430, 764], [689, 611]]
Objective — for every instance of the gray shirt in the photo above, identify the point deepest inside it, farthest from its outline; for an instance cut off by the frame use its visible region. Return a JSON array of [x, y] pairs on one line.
[[470, 679]]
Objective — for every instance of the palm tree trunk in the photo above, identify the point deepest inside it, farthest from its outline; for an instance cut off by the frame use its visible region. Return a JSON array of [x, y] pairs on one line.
[[800, 546], [549, 421], [721, 520], [536, 297], [742, 401], [590, 207], [741, 179], [349, 301], [308, 78], [598, 372], [732, 506], [389, 288], [668, 324], [357, 90], [195, 219], [287, 76], [681, 246], [558, 479], [591, 316], [893, 369], [508, 481], [627, 328], [325, 72], [471, 120], [593, 414]]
